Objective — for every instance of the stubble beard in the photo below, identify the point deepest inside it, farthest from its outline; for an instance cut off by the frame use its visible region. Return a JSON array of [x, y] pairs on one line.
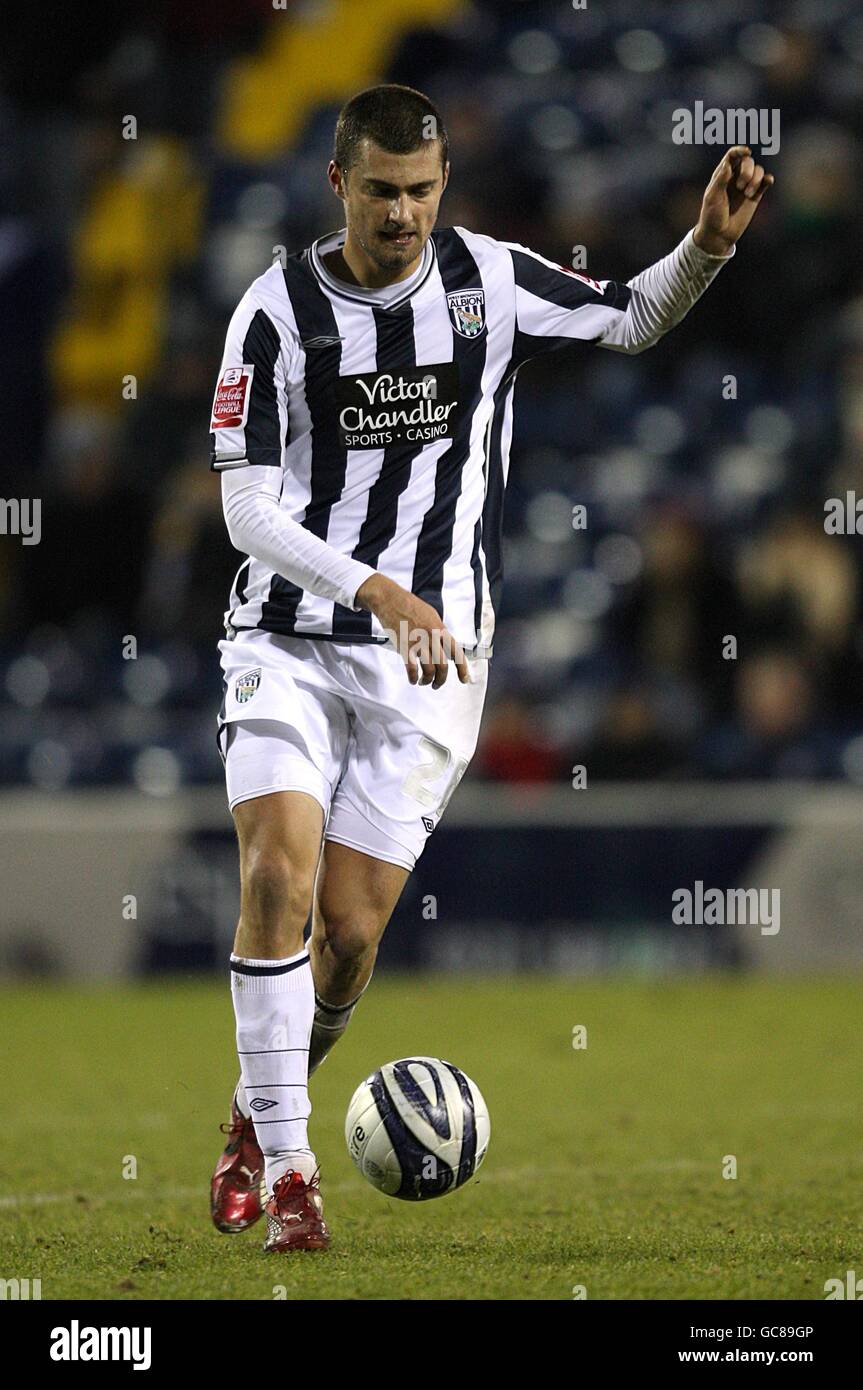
[[396, 257]]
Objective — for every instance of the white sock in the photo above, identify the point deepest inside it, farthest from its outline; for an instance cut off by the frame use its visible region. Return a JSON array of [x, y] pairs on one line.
[[274, 1003], [241, 1101]]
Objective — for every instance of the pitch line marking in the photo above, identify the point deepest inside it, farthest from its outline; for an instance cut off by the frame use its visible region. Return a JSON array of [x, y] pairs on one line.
[[41, 1199], [181, 1194]]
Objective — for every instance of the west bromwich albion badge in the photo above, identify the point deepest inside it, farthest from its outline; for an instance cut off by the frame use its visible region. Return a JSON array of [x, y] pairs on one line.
[[247, 685], [467, 311]]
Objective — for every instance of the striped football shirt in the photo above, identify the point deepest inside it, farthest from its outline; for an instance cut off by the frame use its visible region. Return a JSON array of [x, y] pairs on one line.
[[391, 420]]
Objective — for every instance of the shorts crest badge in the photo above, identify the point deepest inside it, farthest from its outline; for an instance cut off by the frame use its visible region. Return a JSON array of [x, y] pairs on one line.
[[247, 685], [467, 311]]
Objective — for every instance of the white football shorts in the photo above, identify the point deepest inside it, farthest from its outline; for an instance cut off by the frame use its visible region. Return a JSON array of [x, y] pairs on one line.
[[341, 721]]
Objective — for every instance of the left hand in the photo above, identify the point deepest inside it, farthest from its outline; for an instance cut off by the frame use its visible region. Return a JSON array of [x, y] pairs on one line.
[[730, 199]]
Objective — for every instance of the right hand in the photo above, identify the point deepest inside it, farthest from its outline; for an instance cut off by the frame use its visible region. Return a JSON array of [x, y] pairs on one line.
[[416, 629]]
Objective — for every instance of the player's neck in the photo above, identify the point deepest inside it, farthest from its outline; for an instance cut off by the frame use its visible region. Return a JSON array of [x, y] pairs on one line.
[[351, 263]]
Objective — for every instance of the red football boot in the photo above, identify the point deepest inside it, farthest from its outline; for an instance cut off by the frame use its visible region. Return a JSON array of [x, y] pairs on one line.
[[295, 1215], [236, 1188]]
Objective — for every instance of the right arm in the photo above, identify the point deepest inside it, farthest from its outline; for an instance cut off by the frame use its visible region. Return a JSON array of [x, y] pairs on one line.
[[257, 526], [249, 423]]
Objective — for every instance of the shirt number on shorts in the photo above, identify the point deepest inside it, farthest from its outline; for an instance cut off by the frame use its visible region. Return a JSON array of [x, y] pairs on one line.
[[435, 763]]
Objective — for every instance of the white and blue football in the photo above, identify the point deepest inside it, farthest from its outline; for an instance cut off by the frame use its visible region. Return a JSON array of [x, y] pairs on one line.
[[417, 1128]]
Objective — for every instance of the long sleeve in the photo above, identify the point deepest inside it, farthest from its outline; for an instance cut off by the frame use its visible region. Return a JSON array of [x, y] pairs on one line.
[[257, 526], [662, 295], [249, 429], [556, 307]]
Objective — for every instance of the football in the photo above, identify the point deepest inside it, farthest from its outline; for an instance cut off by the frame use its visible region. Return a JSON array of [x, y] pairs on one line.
[[417, 1128]]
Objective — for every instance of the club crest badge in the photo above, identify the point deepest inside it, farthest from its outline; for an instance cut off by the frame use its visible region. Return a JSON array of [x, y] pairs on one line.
[[247, 685], [467, 311]]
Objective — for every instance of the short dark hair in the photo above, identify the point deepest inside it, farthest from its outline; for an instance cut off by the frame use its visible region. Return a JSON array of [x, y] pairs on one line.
[[397, 118]]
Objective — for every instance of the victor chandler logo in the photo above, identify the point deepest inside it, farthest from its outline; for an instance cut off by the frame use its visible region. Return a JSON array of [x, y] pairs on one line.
[[409, 405], [77, 1343]]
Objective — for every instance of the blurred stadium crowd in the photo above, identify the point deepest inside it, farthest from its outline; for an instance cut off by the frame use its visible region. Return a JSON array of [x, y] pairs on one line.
[[121, 260]]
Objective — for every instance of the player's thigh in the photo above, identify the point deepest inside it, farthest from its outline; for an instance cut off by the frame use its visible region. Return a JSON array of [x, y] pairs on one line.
[[284, 725], [279, 799], [280, 844], [355, 896], [409, 748], [279, 836]]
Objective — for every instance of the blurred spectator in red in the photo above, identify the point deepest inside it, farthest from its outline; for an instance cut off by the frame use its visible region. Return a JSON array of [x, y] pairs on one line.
[[512, 749]]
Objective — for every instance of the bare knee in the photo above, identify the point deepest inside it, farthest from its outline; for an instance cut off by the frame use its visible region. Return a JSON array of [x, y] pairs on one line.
[[353, 934], [355, 899], [277, 892]]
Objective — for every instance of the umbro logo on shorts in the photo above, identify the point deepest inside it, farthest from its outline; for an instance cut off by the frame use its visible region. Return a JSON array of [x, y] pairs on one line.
[[260, 1103], [247, 685], [428, 823]]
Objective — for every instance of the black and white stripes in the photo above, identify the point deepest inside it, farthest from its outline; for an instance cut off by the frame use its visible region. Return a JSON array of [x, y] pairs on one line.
[[391, 422]]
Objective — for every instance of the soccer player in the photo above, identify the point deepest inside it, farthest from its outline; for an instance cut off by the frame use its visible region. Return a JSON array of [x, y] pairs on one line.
[[361, 424]]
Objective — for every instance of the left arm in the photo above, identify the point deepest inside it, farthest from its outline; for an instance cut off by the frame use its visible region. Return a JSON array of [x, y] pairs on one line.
[[556, 306], [664, 293]]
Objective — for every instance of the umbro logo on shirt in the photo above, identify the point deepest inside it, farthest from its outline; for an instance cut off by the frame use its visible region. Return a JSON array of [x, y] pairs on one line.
[[428, 823]]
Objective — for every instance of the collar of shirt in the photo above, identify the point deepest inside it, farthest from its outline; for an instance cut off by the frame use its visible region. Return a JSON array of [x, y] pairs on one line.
[[387, 296]]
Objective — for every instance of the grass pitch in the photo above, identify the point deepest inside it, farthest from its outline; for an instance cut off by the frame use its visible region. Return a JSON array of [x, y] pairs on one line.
[[605, 1167]]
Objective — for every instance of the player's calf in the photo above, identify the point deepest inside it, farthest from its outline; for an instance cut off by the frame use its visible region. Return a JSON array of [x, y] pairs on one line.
[[356, 894], [329, 1024], [343, 957]]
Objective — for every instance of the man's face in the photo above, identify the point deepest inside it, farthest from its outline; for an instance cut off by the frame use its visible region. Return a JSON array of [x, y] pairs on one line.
[[391, 201]]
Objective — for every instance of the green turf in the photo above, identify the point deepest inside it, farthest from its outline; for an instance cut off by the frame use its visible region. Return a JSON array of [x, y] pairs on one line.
[[604, 1169]]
